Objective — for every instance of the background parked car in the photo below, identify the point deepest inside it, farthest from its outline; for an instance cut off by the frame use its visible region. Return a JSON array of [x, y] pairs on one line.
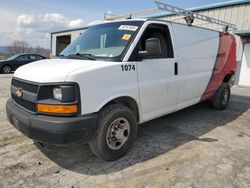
[[16, 61]]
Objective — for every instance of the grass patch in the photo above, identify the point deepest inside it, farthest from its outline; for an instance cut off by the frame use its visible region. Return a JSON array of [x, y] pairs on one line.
[[2, 57]]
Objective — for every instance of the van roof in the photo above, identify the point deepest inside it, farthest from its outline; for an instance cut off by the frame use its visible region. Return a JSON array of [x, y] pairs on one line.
[[136, 19], [82, 28]]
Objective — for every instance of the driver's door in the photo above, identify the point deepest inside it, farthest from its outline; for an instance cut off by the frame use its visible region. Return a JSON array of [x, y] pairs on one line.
[[157, 77]]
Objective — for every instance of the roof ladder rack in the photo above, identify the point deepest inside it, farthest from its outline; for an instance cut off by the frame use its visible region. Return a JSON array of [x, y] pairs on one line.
[[190, 16], [108, 16]]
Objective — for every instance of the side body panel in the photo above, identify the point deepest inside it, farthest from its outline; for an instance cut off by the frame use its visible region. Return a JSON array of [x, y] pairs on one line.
[[225, 64], [197, 49]]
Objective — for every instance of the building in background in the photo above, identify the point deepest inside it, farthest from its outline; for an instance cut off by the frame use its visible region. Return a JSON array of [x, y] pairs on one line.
[[234, 12], [61, 39]]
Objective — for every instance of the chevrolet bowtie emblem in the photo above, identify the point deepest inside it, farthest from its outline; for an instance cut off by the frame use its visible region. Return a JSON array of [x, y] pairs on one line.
[[19, 93]]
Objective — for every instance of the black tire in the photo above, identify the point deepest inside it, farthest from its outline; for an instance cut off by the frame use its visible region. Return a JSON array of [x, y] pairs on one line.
[[100, 143], [221, 97], [6, 69]]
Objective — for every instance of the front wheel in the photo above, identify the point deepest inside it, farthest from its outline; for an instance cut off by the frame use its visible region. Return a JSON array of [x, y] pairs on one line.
[[221, 97], [6, 69], [116, 133]]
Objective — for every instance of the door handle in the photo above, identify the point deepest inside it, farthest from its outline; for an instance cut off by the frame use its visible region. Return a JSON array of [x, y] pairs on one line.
[[175, 68]]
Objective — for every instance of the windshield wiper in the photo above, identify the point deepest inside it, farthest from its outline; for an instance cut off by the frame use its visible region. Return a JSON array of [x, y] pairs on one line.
[[85, 56]]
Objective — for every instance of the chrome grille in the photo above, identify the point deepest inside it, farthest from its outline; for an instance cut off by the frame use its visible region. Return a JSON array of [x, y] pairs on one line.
[[29, 94]]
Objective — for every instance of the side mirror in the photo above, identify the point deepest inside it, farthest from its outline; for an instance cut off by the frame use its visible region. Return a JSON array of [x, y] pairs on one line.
[[152, 48]]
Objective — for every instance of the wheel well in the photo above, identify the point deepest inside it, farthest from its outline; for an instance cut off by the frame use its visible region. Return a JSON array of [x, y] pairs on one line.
[[129, 102], [228, 77]]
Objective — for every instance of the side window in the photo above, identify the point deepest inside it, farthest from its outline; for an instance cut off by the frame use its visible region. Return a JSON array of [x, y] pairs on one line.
[[33, 57], [103, 39], [23, 58], [38, 57], [160, 32]]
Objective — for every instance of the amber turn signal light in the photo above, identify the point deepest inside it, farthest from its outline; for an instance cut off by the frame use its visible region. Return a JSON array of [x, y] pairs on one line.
[[57, 109]]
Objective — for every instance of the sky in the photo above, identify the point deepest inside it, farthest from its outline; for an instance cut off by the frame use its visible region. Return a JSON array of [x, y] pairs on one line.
[[33, 20]]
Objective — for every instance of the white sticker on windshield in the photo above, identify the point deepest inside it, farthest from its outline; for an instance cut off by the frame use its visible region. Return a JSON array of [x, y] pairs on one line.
[[128, 27]]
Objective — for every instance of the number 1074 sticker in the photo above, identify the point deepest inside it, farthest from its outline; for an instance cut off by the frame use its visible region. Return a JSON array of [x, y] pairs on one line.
[[128, 67]]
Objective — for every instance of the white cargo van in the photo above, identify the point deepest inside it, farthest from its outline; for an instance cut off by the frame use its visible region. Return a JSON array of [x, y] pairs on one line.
[[117, 75]]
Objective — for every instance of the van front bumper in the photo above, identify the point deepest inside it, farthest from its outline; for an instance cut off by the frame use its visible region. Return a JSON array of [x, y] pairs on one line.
[[51, 129]]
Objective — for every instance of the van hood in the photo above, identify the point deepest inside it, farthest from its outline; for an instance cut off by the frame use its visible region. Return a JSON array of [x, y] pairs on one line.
[[52, 70]]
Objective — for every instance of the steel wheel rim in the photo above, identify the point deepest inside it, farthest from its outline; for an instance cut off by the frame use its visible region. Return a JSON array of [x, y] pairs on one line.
[[118, 133], [7, 69], [224, 96]]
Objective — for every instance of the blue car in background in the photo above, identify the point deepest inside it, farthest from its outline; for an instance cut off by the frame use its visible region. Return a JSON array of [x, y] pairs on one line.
[[11, 64]]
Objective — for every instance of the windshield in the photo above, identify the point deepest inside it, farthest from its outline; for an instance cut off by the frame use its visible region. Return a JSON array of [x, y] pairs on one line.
[[12, 57], [105, 41]]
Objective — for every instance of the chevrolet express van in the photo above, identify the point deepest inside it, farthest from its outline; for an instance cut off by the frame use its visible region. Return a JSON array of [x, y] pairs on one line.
[[117, 75]]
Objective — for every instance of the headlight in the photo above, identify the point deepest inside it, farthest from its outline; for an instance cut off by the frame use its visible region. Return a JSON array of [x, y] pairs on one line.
[[63, 99], [57, 93]]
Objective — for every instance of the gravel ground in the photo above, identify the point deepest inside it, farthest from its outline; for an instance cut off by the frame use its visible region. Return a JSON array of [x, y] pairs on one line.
[[195, 147]]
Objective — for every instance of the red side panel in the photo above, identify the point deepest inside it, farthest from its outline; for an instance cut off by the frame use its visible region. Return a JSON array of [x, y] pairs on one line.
[[225, 63]]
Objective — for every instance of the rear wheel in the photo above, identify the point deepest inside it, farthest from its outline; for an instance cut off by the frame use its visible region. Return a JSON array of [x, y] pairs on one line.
[[6, 69], [221, 97], [116, 133]]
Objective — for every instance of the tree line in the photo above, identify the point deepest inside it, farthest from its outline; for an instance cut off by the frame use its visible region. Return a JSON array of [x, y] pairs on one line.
[[19, 46]]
